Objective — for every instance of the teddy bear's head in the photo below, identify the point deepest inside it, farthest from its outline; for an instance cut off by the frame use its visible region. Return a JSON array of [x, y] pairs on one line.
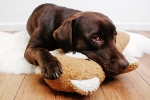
[[80, 75]]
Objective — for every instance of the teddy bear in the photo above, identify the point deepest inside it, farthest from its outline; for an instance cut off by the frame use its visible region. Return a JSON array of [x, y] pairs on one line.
[[82, 75]]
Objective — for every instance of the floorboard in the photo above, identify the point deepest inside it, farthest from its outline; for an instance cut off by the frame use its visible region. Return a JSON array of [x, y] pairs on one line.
[[9, 85]]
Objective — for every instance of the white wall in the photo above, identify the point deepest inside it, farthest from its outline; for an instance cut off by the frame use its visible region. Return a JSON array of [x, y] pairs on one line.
[[126, 14]]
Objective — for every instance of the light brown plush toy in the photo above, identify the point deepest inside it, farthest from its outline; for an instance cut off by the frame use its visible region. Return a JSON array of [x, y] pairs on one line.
[[85, 76]]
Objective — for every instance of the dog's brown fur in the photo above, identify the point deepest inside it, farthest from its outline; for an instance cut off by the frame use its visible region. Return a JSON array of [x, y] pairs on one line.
[[90, 33]]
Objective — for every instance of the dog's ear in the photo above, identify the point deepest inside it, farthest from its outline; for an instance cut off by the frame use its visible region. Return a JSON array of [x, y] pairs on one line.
[[63, 35]]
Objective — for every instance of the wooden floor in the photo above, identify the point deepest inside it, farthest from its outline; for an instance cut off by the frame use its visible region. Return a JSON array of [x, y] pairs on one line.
[[131, 86]]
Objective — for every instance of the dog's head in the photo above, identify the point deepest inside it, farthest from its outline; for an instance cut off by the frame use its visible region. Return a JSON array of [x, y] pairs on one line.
[[94, 35]]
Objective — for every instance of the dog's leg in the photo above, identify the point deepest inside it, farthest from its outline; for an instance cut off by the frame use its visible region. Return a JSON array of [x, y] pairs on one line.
[[37, 54], [50, 66]]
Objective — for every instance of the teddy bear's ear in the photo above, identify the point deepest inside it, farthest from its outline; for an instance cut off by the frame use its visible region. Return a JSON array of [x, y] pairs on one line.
[[63, 35], [122, 40], [86, 86]]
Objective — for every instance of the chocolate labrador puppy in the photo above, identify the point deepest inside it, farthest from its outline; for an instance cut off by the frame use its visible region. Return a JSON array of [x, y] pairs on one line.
[[91, 33]]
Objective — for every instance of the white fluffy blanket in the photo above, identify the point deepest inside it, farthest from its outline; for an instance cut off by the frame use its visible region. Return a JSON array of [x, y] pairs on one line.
[[12, 47]]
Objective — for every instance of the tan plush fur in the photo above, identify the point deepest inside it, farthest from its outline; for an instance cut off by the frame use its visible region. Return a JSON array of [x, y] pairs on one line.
[[122, 40], [75, 69]]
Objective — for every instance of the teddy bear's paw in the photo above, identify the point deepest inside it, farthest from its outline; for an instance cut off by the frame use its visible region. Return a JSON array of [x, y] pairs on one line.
[[86, 86], [133, 64]]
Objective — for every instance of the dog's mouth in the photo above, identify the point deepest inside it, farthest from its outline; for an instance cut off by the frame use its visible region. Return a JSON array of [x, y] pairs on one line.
[[111, 72], [114, 69], [111, 67]]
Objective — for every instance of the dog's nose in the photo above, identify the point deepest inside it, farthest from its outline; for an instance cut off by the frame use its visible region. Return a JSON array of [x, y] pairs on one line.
[[123, 64]]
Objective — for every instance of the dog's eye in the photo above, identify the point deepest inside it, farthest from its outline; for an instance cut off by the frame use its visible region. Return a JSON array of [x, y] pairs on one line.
[[96, 38]]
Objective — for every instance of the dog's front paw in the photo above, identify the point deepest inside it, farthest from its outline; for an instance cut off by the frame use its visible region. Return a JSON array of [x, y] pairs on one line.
[[51, 70]]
